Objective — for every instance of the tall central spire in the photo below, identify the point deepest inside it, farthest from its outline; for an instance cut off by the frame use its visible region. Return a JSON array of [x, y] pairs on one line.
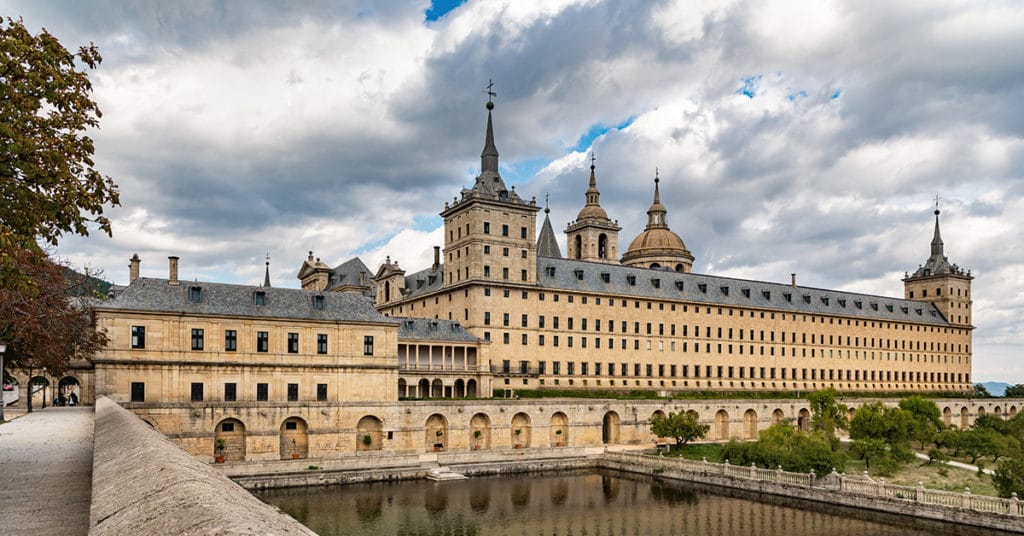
[[937, 238], [489, 156]]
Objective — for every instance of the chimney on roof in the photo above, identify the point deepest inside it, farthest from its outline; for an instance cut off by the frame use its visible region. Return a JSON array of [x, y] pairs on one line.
[[172, 266], [133, 268], [792, 280], [437, 257]]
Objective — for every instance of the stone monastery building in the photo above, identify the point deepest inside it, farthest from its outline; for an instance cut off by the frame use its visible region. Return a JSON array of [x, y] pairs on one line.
[[593, 320]]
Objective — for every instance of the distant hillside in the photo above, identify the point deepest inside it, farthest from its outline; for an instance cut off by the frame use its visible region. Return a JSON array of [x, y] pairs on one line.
[[996, 388], [86, 285]]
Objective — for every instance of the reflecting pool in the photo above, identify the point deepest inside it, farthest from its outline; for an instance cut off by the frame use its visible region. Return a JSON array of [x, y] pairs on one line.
[[598, 503]]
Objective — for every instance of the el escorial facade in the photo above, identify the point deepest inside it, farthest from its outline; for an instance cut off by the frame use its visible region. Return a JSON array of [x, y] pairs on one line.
[[358, 360], [645, 321]]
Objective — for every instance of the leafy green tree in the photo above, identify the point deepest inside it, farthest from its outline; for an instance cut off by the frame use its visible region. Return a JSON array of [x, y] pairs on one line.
[[978, 442], [926, 419], [870, 450], [1008, 477], [992, 422], [828, 415], [1015, 391], [48, 181], [681, 426], [785, 446], [981, 391], [875, 421]]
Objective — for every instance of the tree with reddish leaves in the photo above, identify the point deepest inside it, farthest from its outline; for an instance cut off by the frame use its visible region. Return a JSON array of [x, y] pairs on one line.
[[43, 322]]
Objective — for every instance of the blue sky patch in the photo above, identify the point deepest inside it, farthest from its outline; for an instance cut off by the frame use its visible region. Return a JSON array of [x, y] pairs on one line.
[[440, 8], [522, 170], [596, 131], [802, 94], [749, 87], [836, 94]]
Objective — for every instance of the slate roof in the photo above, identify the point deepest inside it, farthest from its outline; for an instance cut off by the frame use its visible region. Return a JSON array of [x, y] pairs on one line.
[[424, 281], [156, 295], [715, 290], [547, 245], [347, 274], [430, 329]]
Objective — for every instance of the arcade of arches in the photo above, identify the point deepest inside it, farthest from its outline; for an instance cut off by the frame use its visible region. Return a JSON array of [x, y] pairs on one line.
[[280, 432]]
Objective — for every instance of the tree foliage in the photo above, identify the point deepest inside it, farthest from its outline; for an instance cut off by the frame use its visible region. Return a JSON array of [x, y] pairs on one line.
[[1009, 475], [782, 445], [926, 419], [41, 322], [49, 184], [681, 426], [828, 415], [981, 391], [1015, 391]]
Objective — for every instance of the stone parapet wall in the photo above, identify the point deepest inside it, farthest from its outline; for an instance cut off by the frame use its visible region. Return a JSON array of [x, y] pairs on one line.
[[855, 492], [144, 484]]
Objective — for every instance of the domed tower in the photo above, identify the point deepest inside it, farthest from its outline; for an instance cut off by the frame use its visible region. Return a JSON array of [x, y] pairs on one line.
[[657, 246], [946, 285], [593, 236]]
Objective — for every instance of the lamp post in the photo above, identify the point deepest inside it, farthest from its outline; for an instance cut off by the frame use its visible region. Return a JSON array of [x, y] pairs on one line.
[[3, 350]]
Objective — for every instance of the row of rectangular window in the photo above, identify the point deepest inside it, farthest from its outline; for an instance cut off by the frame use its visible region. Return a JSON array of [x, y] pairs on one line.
[[734, 372], [196, 392], [728, 333], [138, 341]]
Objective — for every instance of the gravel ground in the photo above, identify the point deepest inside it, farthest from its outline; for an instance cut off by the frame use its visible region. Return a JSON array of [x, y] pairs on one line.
[[46, 472]]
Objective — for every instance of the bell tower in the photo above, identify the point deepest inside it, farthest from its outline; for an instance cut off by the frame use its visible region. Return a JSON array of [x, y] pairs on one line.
[[593, 236], [946, 285]]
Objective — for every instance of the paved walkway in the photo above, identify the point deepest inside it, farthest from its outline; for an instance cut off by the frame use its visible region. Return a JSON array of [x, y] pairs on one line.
[[46, 472], [959, 465]]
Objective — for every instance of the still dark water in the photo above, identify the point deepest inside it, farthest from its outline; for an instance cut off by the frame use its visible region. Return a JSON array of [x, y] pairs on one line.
[[593, 503]]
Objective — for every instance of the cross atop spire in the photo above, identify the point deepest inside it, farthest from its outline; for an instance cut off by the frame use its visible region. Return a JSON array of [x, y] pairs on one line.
[[489, 90]]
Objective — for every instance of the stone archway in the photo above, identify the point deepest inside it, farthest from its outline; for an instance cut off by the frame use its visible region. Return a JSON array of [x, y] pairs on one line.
[[480, 432], [67, 386], [423, 388], [436, 389], [778, 417], [294, 444], [981, 411], [459, 390], [559, 430], [964, 417], [520, 431], [657, 413], [1012, 412], [403, 389], [230, 434], [369, 434], [947, 416], [610, 428], [722, 425], [471, 389], [436, 432], [750, 424], [803, 420], [998, 412]]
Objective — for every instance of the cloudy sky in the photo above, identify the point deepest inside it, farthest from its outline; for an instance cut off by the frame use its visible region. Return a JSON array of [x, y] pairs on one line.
[[808, 137]]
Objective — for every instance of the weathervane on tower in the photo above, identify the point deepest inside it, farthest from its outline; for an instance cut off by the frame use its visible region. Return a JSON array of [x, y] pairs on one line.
[[490, 93]]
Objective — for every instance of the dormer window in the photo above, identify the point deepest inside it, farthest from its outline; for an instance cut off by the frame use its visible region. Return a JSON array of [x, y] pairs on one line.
[[703, 287], [318, 302], [874, 306], [195, 294], [888, 307], [919, 311], [788, 296], [631, 279], [841, 302], [905, 309], [807, 298], [746, 292], [724, 289], [579, 274], [767, 294], [550, 271], [858, 304], [679, 285], [259, 298], [655, 282], [824, 300], [606, 277]]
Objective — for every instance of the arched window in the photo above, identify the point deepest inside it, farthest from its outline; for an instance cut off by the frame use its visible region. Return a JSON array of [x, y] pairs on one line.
[[602, 246], [387, 291], [579, 247]]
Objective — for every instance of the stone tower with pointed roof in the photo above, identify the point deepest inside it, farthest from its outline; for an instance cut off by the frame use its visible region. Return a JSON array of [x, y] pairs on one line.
[[657, 246], [489, 231], [547, 244], [946, 285], [593, 236]]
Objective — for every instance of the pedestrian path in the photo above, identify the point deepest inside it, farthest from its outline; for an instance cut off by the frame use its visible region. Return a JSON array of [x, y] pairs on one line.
[[46, 472], [958, 465]]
